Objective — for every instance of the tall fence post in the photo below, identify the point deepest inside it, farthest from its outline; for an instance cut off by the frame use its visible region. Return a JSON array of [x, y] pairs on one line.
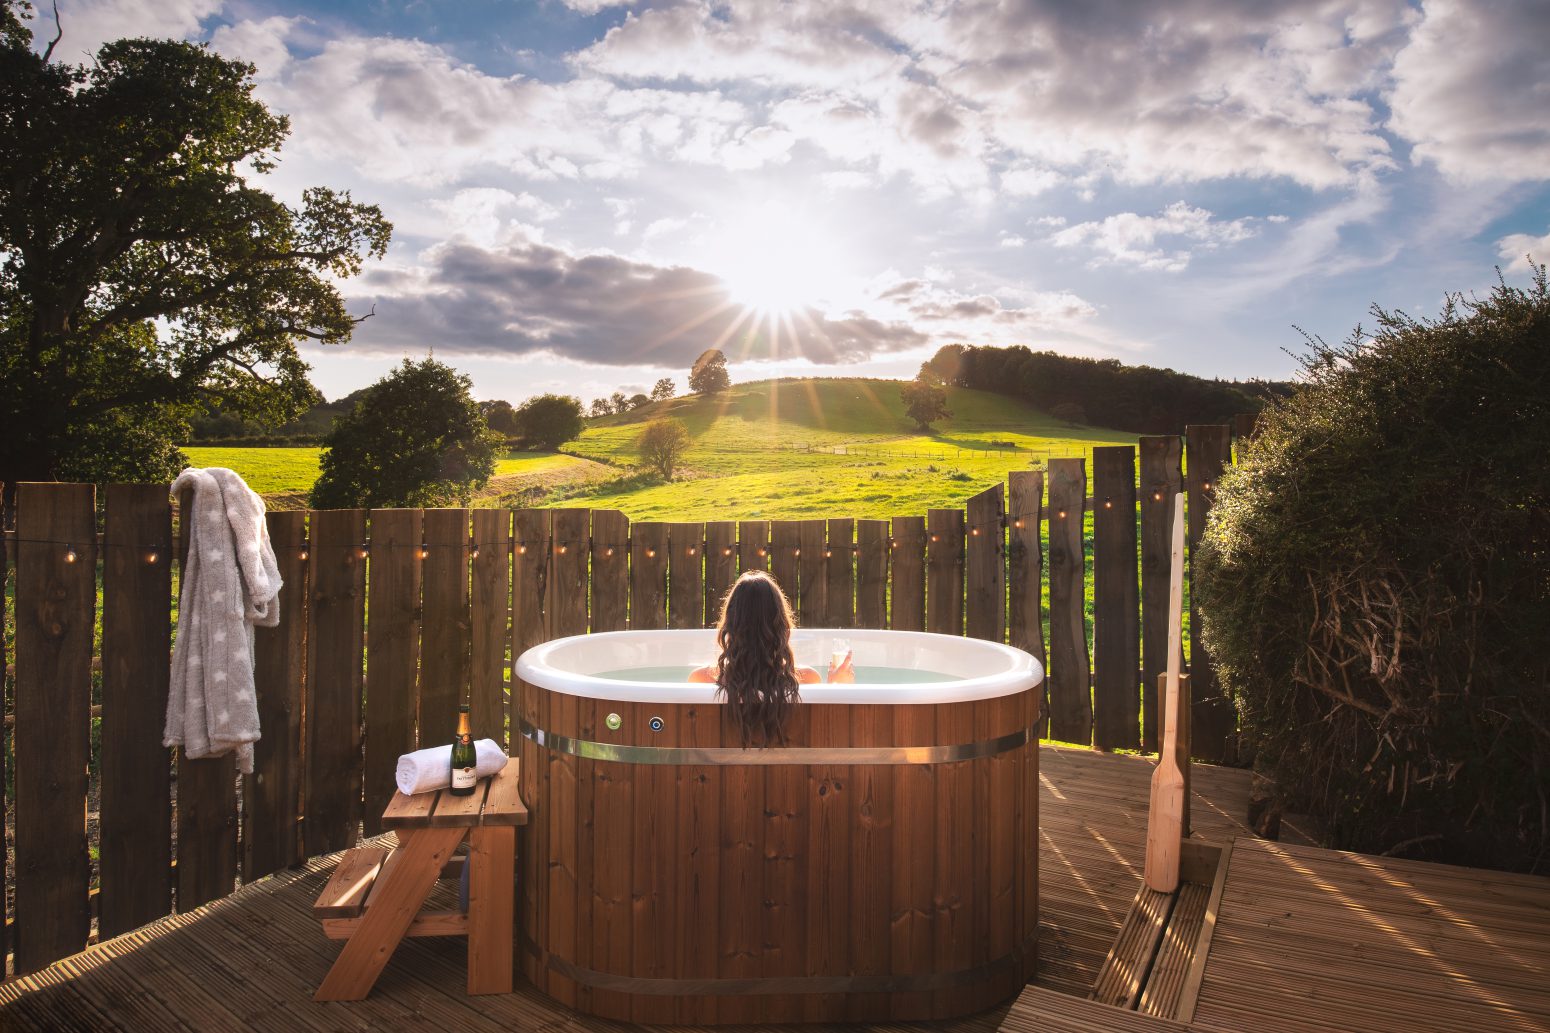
[[392, 653], [986, 595], [1162, 478], [1071, 713], [1025, 573], [1214, 721], [56, 592], [1116, 617], [135, 799], [271, 803]]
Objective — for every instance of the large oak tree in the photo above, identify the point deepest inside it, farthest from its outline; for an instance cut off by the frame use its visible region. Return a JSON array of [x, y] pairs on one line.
[[143, 273]]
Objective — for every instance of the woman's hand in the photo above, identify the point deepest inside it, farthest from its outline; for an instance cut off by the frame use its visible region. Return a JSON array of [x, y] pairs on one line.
[[845, 671]]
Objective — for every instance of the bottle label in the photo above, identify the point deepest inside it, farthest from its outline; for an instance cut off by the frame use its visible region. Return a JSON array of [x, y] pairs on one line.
[[463, 778]]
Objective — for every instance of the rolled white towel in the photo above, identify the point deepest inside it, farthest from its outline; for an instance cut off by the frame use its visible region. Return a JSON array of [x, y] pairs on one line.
[[424, 770]]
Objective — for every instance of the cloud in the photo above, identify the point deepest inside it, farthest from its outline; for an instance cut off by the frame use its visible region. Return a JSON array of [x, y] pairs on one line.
[[951, 93], [525, 297], [1131, 239], [1472, 88], [261, 43], [1518, 248], [1012, 240], [88, 24]]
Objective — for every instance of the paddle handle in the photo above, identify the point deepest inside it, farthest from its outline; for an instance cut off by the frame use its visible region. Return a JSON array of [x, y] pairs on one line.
[[1175, 629]]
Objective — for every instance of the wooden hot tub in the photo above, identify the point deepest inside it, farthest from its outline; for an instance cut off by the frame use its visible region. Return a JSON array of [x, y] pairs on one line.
[[883, 865]]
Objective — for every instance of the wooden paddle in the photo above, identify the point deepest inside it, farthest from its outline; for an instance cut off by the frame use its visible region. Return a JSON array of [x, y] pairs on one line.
[[1165, 822]]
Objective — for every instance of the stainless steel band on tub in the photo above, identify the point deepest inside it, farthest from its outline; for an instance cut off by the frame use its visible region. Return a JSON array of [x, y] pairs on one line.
[[838, 755]]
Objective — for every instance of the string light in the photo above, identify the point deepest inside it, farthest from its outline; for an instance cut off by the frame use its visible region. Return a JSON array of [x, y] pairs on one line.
[[1156, 496], [1108, 504], [522, 548], [796, 552], [827, 553], [691, 550], [609, 551], [934, 538], [562, 550], [727, 551], [975, 532], [1061, 514], [302, 553], [761, 551], [425, 551], [1017, 523], [364, 550], [650, 553], [151, 556], [1206, 485], [70, 554], [475, 552]]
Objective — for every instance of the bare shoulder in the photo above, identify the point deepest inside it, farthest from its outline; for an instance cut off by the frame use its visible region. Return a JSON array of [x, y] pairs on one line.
[[706, 674], [808, 676]]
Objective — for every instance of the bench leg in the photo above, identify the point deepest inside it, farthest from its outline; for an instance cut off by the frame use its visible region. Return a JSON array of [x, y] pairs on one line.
[[491, 908], [397, 902]]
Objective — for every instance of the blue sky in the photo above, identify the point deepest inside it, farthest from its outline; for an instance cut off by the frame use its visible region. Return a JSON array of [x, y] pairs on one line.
[[586, 194]]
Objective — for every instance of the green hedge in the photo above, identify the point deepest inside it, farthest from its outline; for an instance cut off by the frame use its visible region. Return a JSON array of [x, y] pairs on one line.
[[1375, 585]]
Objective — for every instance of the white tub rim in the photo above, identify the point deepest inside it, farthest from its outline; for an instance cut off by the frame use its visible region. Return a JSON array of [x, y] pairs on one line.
[[1001, 670]]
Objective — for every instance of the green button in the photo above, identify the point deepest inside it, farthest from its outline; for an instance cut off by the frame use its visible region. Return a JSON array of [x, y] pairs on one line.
[[613, 721]]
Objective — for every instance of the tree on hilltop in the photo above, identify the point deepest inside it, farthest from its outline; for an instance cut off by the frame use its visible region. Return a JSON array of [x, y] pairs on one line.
[[709, 374], [663, 389], [416, 438], [549, 421], [146, 275]]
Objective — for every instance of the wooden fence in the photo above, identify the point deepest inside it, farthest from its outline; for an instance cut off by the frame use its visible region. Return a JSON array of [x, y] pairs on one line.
[[389, 616]]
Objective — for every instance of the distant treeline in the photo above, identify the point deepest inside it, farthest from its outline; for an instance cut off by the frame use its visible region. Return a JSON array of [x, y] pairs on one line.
[[1102, 392], [214, 427]]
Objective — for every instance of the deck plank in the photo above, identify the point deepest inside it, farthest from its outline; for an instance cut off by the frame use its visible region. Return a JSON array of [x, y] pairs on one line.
[[1345, 957]]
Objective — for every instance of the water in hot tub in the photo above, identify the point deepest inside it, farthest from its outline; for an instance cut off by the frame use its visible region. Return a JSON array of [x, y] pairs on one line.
[[864, 675]]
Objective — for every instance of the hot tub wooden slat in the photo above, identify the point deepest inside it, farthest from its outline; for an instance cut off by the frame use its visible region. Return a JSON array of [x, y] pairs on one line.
[[785, 892]]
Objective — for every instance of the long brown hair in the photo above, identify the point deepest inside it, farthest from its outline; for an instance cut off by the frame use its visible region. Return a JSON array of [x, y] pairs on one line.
[[756, 673]]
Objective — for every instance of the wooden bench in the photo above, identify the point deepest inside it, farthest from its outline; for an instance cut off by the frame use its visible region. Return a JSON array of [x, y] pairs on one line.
[[375, 896]]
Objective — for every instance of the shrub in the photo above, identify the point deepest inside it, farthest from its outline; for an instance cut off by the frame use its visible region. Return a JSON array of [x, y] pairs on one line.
[[415, 438], [1375, 585], [548, 421], [662, 445]]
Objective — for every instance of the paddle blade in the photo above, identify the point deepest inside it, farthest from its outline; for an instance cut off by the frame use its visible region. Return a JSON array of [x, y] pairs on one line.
[[1165, 828]]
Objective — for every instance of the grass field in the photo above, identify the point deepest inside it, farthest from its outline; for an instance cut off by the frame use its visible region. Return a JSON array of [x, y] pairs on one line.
[[782, 449], [771, 449]]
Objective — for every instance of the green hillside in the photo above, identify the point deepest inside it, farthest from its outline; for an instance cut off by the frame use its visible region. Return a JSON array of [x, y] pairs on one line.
[[841, 447]]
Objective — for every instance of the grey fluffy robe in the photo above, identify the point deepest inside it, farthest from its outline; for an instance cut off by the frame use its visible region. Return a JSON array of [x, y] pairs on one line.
[[230, 584]]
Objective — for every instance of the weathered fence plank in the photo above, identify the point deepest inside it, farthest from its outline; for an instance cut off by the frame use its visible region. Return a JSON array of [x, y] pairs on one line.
[[753, 545], [1071, 714], [907, 602], [489, 610], [648, 576], [1213, 720], [685, 577], [839, 591], [392, 653], [332, 725], [610, 570], [871, 574], [56, 592], [1025, 572], [944, 571], [271, 799], [5, 773], [785, 557], [985, 602], [531, 531], [1116, 618], [444, 626], [207, 797], [135, 821], [720, 565], [1162, 478], [566, 607], [810, 599]]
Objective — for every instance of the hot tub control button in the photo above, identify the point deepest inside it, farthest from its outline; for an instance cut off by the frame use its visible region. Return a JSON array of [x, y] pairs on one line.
[[613, 721], [656, 724]]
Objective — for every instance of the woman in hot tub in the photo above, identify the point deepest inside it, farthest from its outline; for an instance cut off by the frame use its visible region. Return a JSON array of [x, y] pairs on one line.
[[756, 673]]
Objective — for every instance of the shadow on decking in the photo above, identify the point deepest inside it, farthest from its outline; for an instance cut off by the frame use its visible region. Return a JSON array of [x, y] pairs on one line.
[[1305, 937]]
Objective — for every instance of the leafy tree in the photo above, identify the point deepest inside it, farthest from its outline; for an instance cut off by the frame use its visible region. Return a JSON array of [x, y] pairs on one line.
[[601, 407], [1373, 585], [924, 402], [662, 445], [663, 389], [548, 421], [620, 401], [639, 401], [501, 418], [709, 374], [416, 438], [144, 276]]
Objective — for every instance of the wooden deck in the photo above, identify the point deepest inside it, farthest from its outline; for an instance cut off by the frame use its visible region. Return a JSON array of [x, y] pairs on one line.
[[1305, 937]]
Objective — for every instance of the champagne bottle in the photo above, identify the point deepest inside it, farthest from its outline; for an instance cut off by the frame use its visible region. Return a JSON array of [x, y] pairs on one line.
[[463, 758]]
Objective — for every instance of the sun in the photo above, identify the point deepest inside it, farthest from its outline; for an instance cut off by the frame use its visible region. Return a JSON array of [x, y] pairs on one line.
[[775, 259]]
